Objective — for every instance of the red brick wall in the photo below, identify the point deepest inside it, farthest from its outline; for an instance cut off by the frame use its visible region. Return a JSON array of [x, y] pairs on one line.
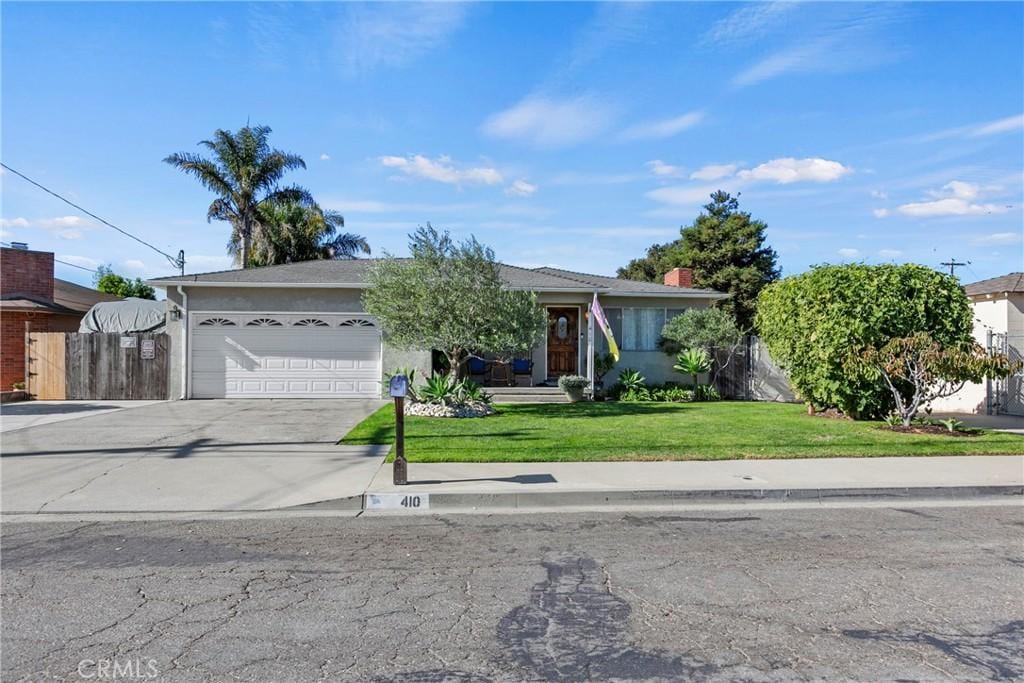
[[26, 272], [12, 344], [679, 277]]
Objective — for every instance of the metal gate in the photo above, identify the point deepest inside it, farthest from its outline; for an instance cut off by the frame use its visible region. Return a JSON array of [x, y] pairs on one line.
[[1007, 394]]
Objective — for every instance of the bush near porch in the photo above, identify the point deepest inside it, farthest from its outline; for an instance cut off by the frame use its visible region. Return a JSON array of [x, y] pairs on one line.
[[660, 431]]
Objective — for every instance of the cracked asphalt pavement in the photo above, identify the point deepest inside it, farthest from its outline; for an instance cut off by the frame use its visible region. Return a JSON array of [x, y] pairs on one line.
[[908, 593]]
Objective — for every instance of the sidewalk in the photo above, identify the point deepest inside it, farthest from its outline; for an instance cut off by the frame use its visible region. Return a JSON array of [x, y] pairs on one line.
[[519, 485]]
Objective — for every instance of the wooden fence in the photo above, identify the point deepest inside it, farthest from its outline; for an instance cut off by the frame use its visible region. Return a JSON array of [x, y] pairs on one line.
[[97, 366]]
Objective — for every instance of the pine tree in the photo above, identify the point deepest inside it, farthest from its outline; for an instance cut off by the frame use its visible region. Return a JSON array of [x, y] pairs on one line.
[[726, 250]]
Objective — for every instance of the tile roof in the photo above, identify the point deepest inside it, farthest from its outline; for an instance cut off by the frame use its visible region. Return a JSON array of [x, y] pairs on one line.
[[1011, 282], [355, 273]]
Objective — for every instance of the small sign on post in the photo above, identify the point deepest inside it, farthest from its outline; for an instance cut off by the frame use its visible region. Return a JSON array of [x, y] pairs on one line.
[[398, 387]]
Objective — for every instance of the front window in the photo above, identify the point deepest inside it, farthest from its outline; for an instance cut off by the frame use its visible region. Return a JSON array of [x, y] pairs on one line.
[[641, 328]]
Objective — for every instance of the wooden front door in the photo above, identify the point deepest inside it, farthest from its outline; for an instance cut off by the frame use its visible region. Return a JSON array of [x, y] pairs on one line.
[[563, 341]]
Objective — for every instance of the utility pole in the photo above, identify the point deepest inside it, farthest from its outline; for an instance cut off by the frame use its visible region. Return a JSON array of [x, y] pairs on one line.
[[952, 264]]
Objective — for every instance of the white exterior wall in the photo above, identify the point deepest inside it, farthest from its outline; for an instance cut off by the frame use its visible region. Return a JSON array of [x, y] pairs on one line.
[[989, 314]]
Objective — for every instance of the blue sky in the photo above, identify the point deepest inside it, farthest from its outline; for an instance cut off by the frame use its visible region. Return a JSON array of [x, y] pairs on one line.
[[572, 135]]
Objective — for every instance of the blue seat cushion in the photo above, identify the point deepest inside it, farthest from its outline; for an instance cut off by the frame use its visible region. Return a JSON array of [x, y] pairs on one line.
[[477, 366], [521, 366]]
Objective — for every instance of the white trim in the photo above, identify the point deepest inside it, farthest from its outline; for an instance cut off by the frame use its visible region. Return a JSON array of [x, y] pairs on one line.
[[165, 284]]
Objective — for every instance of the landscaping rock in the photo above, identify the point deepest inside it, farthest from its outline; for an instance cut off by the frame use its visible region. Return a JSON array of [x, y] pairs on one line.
[[471, 409]]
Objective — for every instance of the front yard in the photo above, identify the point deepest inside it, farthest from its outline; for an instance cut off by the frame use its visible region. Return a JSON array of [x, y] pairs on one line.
[[659, 431]]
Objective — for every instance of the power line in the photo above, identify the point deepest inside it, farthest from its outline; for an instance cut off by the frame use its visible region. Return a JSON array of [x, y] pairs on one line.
[[75, 265], [177, 262], [953, 264], [57, 260]]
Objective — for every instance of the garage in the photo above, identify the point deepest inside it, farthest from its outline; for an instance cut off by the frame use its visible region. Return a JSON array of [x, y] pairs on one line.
[[275, 355]]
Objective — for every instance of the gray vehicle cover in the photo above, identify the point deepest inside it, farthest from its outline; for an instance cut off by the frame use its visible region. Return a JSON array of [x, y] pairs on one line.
[[130, 315]]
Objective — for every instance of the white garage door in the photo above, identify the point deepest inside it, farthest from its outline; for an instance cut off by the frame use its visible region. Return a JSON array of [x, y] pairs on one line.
[[269, 355]]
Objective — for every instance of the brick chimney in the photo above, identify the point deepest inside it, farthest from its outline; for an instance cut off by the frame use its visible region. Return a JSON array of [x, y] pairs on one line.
[[679, 277], [25, 272]]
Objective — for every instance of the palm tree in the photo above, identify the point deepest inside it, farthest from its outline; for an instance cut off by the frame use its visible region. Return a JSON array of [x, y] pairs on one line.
[[245, 173], [291, 232]]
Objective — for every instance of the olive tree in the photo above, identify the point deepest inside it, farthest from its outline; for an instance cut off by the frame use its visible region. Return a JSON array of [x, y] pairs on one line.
[[813, 322], [449, 297]]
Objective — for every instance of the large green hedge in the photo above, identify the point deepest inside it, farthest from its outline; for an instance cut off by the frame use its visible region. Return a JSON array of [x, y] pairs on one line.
[[812, 322]]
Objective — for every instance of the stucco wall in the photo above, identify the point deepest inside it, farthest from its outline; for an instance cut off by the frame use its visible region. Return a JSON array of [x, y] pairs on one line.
[[989, 314], [656, 366]]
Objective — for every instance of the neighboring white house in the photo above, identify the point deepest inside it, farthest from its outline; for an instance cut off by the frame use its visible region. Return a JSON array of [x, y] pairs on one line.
[[998, 305]]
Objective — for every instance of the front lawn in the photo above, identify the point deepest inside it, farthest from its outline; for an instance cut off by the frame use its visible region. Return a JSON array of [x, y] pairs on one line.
[[658, 431]]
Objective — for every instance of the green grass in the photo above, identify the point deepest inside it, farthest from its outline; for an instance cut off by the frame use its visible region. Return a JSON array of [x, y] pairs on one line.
[[658, 431]]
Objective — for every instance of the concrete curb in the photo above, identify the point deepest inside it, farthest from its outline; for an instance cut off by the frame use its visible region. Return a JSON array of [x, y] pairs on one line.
[[442, 501]]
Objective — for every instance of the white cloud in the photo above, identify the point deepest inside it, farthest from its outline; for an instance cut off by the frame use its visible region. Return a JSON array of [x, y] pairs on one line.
[[949, 207], [881, 213], [664, 128], [748, 22], [1007, 125], [663, 170], [846, 37], [442, 170], [135, 265], [713, 172], [975, 130], [999, 238], [325, 157], [83, 261], [847, 252], [394, 34], [547, 122], [520, 188], [789, 170], [61, 227], [890, 253], [955, 198]]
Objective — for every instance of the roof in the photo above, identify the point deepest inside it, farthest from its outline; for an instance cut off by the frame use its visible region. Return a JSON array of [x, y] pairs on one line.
[[77, 297], [354, 273], [68, 299], [1011, 282]]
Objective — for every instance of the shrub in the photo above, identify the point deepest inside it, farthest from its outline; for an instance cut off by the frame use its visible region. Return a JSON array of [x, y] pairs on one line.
[[707, 328], [466, 391], [603, 364], [568, 382], [631, 379], [916, 370], [665, 394], [693, 362], [706, 392], [438, 389], [813, 322]]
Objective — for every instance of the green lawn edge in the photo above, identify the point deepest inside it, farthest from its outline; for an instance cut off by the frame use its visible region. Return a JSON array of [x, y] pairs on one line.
[[615, 431]]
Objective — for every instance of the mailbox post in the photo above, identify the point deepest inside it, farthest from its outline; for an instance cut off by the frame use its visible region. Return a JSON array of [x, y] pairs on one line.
[[398, 388]]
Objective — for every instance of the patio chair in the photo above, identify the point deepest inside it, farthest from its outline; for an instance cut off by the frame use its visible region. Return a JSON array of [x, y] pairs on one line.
[[522, 366], [477, 367]]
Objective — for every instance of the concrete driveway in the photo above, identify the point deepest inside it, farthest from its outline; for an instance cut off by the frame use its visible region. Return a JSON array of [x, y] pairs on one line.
[[34, 413], [221, 455]]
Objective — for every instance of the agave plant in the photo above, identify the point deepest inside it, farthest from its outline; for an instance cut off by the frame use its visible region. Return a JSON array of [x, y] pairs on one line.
[[631, 379], [466, 390], [693, 362], [438, 389]]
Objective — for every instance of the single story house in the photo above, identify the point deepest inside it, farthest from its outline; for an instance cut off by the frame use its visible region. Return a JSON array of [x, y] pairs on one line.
[[998, 306], [299, 330], [31, 297]]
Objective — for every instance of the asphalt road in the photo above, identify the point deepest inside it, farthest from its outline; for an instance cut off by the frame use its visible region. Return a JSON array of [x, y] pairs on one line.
[[915, 593]]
